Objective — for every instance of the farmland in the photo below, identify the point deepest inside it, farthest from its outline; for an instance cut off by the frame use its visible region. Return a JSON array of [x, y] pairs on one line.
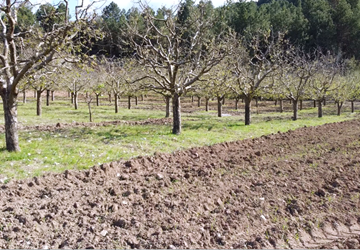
[[205, 188], [190, 126]]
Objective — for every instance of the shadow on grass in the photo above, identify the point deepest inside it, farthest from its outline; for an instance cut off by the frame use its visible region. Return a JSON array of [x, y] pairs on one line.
[[3, 149], [213, 125]]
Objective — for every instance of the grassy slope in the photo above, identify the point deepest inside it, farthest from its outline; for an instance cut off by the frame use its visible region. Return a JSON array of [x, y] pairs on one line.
[[80, 148]]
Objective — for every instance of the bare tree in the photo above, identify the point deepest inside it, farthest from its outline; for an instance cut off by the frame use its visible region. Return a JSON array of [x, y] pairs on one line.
[[176, 54], [40, 83], [76, 79], [119, 75], [15, 65], [354, 87], [216, 84], [294, 77], [251, 63], [346, 85], [322, 83]]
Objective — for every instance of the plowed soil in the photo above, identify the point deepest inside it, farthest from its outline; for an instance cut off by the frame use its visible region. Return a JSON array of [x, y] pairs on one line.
[[298, 189]]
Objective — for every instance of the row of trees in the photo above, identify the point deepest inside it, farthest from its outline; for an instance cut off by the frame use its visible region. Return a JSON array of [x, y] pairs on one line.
[[262, 67], [308, 80], [187, 50]]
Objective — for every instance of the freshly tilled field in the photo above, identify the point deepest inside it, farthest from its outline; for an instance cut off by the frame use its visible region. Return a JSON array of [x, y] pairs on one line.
[[299, 189]]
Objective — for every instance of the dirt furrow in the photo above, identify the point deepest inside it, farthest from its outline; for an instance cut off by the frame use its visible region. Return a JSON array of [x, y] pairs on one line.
[[298, 189]]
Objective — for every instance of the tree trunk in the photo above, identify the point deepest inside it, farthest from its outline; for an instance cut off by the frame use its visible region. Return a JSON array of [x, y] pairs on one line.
[[86, 95], [11, 122], [129, 102], [207, 104], [301, 105], [256, 102], [76, 100], [223, 101], [247, 110], [90, 113], [320, 111], [236, 103], [339, 106], [47, 97], [275, 102], [110, 97], [281, 105], [219, 106], [52, 95], [116, 103], [38, 102], [72, 97], [295, 110], [192, 98], [352, 107], [324, 102], [176, 114], [97, 99], [314, 103], [199, 101], [136, 100], [167, 111], [24, 96]]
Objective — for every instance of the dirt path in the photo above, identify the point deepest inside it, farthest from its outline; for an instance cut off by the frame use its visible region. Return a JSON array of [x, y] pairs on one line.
[[298, 189]]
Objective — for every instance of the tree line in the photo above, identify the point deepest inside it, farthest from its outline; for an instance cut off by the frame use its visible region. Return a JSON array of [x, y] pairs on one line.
[[329, 25]]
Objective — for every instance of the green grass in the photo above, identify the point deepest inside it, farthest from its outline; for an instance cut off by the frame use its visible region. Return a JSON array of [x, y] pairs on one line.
[[83, 147], [63, 111]]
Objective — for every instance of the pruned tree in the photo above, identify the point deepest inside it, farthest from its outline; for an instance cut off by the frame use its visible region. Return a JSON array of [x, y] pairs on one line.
[[294, 77], [97, 83], [77, 78], [346, 84], [217, 85], [252, 62], [341, 91], [40, 82], [322, 82], [354, 87], [177, 53], [45, 47], [119, 74]]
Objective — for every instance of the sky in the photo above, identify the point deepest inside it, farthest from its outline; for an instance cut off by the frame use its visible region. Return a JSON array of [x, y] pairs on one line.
[[123, 4]]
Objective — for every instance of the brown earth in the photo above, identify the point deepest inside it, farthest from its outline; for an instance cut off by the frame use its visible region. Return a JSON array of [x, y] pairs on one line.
[[298, 189]]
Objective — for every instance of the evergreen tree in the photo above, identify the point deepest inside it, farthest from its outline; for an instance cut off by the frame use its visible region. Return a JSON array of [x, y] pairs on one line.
[[45, 16], [321, 26], [114, 21], [25, 17]]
